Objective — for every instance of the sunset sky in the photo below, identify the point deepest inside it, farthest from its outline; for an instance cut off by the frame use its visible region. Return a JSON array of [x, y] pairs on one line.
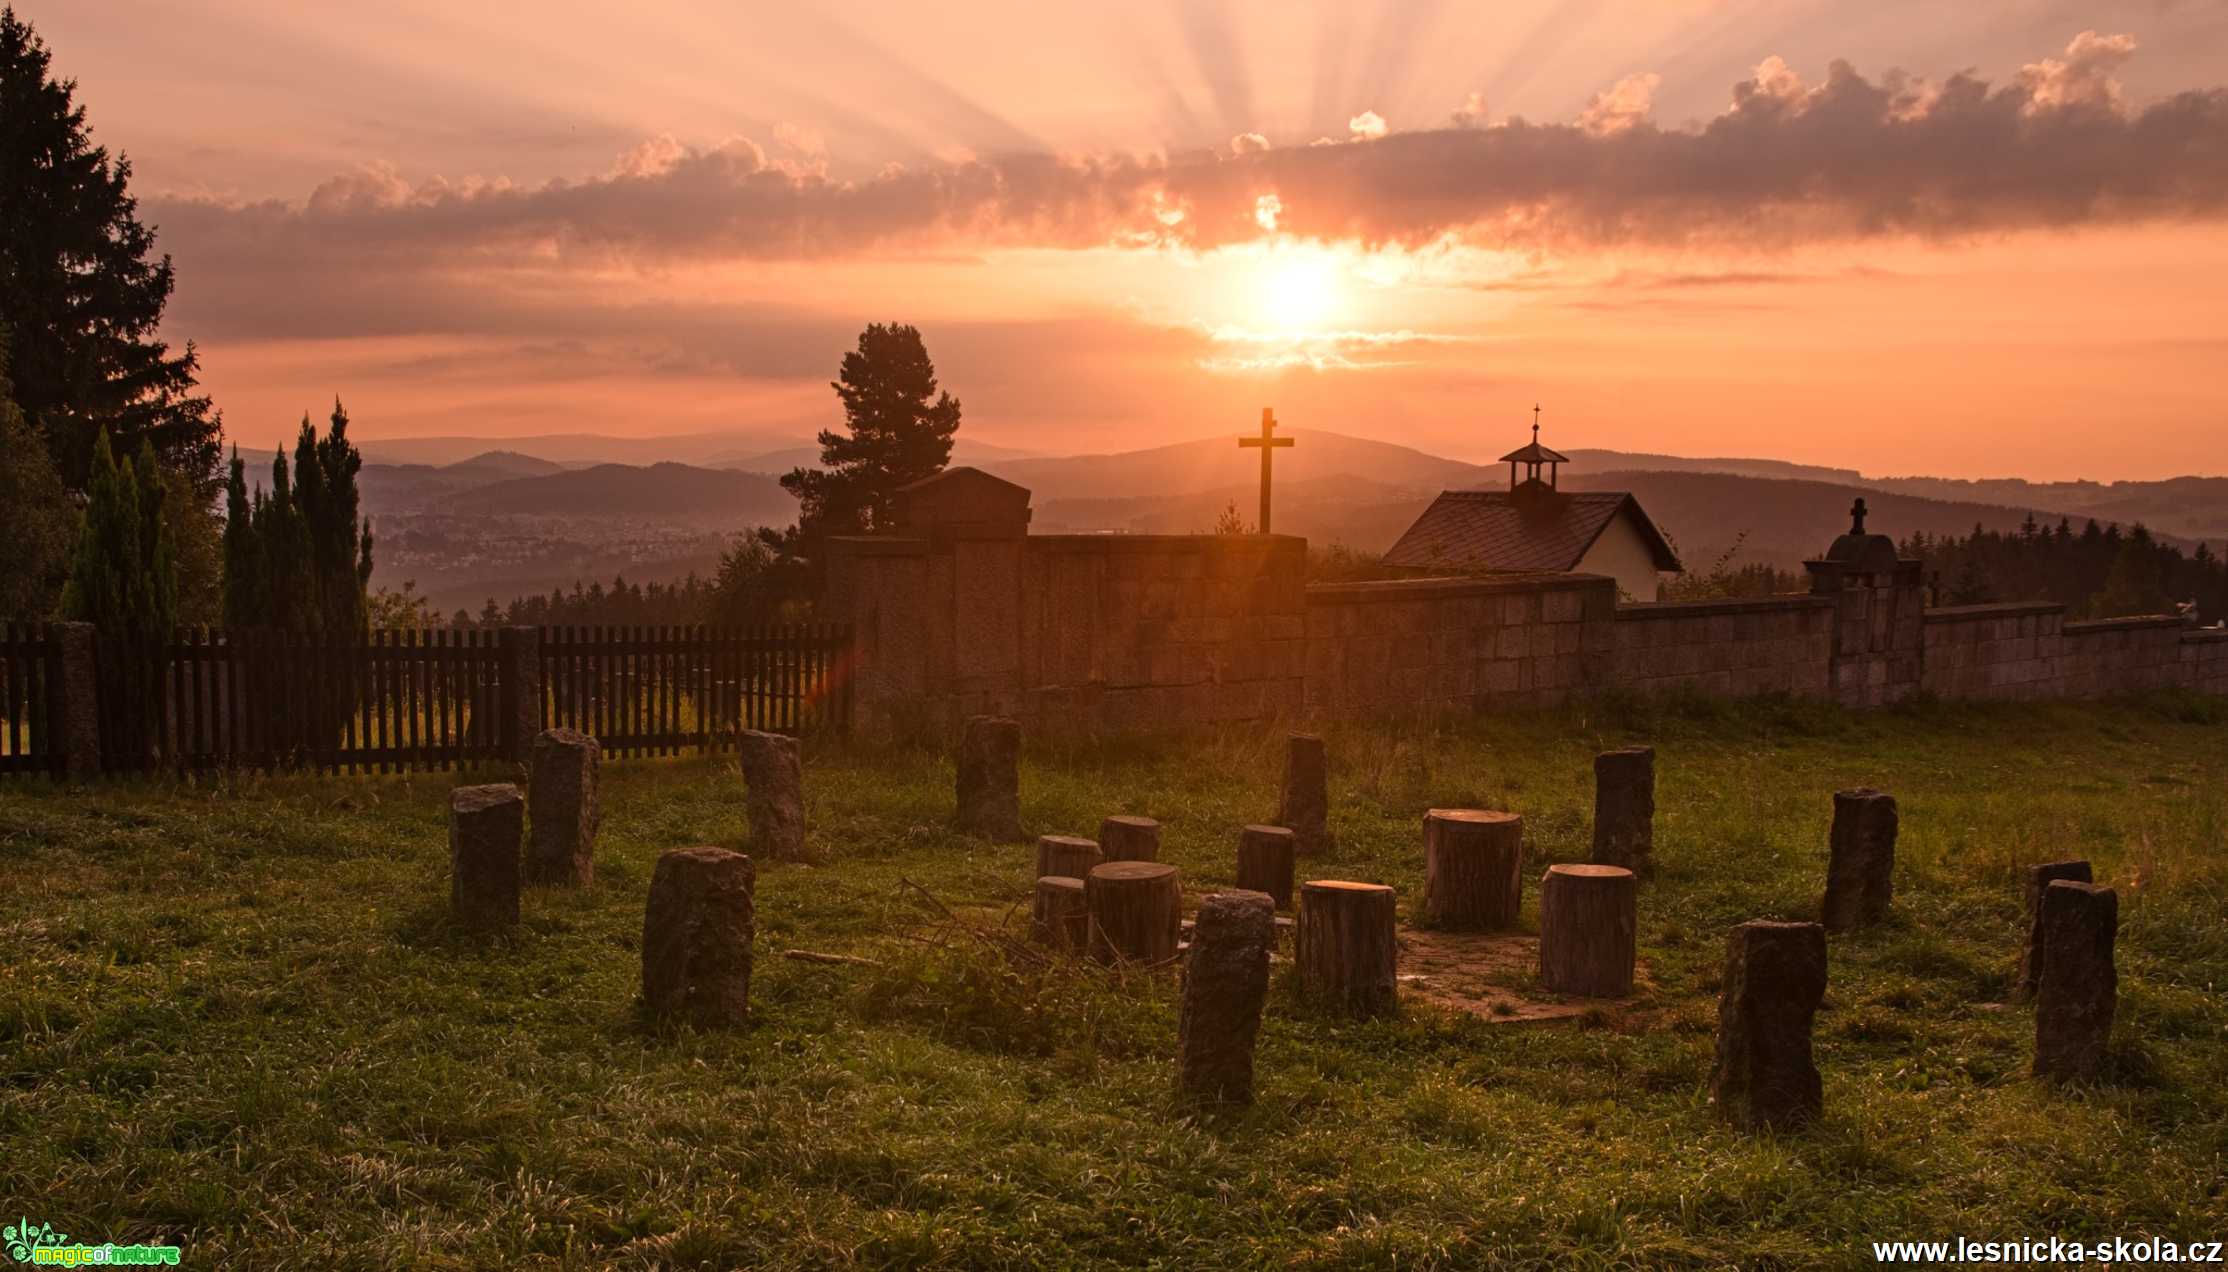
[[1902, 236]]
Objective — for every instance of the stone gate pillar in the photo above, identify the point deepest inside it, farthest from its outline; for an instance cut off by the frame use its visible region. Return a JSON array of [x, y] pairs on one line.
[[1879, 631]]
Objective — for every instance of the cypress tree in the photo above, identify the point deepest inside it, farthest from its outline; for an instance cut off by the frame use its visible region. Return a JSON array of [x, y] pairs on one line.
[[122, 576]]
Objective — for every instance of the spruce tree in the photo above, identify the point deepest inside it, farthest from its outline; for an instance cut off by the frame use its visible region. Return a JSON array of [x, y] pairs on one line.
[[81, 288], [37, 520]]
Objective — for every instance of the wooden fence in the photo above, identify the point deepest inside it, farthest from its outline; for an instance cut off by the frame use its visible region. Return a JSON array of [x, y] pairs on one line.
[[658, 690], [29, 665], [218, 699]]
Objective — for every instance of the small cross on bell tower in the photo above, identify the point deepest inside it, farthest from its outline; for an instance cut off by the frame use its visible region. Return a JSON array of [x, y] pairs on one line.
[[1534, 457]]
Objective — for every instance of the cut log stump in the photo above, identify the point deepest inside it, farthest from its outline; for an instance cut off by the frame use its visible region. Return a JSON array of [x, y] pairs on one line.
[[486, 826], [1587, 930], [2039, 879], [1860, 876], [1304, 803], [1775, 977], [2078, 990], [1625, 807], [1265, 862], [1226, 978], [1067, 856], [1060, 918], [1346, 951], [1473, 868], [1136, 911], [696, 936], [1123, 837], [989, 784]]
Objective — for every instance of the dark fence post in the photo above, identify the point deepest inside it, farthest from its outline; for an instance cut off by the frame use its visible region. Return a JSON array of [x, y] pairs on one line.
[[522, 691], [77, 700]]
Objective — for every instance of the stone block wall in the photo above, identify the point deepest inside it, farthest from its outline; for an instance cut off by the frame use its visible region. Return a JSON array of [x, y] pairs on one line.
[[1136, 632], [2116, 655], [1441, 644], [1738, 648], [2205, 660], [2011, 651]]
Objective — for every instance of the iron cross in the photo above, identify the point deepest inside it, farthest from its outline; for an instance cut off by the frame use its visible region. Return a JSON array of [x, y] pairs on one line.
[[1267, 442]]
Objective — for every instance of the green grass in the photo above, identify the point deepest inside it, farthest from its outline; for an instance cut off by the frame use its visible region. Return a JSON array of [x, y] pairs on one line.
[[233, 1017]]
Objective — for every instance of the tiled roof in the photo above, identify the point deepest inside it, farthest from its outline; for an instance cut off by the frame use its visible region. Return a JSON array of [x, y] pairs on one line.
[[1501, 530]]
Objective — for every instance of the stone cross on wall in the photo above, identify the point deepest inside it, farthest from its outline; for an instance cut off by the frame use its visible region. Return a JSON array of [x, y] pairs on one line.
[[1267, 443], [1856, 516]]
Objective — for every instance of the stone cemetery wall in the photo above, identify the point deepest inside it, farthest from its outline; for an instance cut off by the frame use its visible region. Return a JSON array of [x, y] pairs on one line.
[[2115, 655], [1777, 644], [1442, 644], [2010, 651], [973, 615]]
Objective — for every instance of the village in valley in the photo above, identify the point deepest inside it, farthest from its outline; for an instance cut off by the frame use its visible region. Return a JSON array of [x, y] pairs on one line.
[[963, 843]]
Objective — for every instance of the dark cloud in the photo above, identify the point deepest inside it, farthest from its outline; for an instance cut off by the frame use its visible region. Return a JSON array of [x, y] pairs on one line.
[[1786, 163]]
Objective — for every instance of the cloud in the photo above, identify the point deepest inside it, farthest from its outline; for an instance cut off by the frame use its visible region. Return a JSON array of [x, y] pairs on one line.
[[1787, 162], [1248, 143], [1471, 113], [1367, 126], [1624, 107]]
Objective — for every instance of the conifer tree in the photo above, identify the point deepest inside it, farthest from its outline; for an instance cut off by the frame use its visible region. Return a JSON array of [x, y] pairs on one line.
[[36, 518], [81, 288], [122, 577]]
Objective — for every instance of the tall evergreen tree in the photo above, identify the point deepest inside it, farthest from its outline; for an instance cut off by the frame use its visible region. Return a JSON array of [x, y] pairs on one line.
[[122, 577], [81, 289], [298, 556]]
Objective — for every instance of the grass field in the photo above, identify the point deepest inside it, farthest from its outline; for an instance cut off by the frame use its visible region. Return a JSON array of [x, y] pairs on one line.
[[232, 1018]]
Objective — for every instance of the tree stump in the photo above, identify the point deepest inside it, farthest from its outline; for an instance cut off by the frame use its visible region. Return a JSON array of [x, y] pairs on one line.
[[989, 784], [1775, 977], [2078, 989], [1066, 856], [562, 808], [1226, 977], [1304, 803], [1473, 868], [1136, 911], [1346, 951], [2039, 879], [1625, 807], [1860, 876], [486, 824], [1060, 917], [1265, 862], [1588, 916], [696, 936], [774, 794], [1126, 838]]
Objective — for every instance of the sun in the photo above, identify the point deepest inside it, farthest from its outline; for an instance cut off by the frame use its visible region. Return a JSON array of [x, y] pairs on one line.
[[1298, 290]]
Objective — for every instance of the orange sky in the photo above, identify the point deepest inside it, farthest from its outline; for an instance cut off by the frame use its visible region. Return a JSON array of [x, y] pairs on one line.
[[1901, 237]]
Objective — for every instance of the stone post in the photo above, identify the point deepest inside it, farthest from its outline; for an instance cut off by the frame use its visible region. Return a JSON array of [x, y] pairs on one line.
[[2039, 879], [1304, 803], [1126, 838], [1588, 927], [77, 706], [773, 793], [989, 786], [1472, 868], [485, 826], [1226, 978], [521, 648], [1346, 950], [563, 809], [1625, 807], [1775, 977], [1860, 875], [1265, 862], [2078, 989], [696, 936]]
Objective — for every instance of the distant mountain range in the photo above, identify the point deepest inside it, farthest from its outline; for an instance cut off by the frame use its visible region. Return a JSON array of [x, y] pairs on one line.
[[528, 513]]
